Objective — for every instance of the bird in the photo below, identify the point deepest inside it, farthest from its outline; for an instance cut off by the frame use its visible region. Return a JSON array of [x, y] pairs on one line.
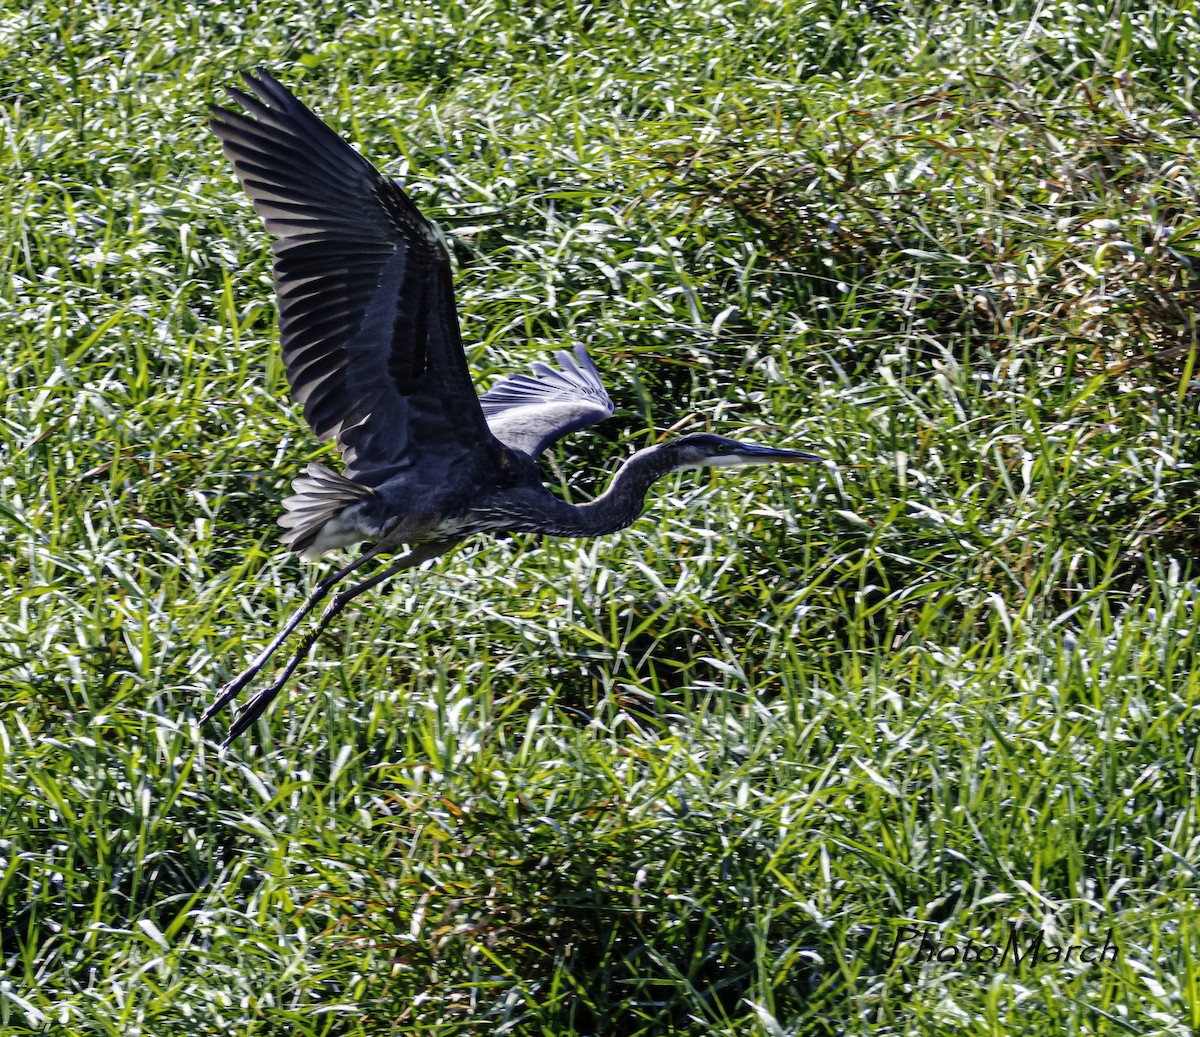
[[373, 353]]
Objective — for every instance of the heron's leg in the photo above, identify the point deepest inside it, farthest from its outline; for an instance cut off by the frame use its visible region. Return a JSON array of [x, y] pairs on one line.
[[311, 602], [257, 705]]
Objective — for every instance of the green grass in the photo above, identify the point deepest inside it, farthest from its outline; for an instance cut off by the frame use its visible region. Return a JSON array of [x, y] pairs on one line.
[[693, 777]]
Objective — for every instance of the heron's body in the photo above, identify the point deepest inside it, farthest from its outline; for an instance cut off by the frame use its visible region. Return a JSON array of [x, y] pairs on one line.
[[329, 511], [509, 497], [371, 345]]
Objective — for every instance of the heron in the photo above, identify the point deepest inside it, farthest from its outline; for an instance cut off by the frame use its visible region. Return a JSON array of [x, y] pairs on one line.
[[373, 352]]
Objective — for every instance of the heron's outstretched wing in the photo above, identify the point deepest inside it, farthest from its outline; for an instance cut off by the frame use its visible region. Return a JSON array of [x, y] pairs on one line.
[[528, 413], [367, 320]]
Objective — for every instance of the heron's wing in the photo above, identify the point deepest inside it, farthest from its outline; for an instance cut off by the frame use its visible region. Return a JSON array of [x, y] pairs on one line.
[[367, 320], [529, 412]]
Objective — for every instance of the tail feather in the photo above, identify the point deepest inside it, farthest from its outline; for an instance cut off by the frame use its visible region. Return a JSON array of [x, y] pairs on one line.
[[319, 497]]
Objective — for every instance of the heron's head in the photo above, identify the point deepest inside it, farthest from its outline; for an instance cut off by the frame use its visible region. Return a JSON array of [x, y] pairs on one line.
[[704, 450]]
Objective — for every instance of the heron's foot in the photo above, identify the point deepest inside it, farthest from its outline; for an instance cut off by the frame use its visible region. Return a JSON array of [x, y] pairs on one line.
[[257, 706], [230, 689]]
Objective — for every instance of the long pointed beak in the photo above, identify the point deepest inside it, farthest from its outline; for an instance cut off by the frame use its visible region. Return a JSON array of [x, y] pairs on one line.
[[752, 453]]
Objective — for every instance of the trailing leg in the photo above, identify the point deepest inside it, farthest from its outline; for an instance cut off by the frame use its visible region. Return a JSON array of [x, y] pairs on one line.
[[229, 690], [257, 705]]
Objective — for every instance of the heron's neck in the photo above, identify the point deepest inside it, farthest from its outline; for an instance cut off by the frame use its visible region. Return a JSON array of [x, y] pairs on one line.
[[619, 505]]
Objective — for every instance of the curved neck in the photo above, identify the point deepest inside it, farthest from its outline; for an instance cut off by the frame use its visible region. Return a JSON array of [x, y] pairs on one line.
[[619, 505]]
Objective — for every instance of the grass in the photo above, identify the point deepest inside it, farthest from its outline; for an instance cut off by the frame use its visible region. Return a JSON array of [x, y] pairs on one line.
[[692, 778]]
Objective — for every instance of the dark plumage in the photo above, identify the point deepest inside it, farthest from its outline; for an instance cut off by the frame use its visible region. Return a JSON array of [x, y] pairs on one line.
[[371, 344]]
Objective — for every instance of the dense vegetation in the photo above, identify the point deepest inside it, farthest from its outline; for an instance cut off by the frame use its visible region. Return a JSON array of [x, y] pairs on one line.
[[695, 777]]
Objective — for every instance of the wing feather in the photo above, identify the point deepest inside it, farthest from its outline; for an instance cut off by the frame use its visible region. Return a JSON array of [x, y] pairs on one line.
[[368, 325], [528, 413]]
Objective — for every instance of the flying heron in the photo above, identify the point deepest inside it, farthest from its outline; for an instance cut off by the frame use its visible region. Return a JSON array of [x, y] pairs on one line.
[[372, 349]]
